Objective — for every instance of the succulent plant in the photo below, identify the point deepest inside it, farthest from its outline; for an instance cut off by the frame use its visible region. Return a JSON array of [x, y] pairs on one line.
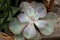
[[33, 13]]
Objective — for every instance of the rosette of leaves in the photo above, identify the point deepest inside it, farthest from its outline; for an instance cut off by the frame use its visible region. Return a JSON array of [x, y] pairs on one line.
[[32, 21], [7, 11]]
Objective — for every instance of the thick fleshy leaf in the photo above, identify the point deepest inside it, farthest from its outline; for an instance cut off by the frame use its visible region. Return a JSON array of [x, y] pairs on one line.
[[37, 37], [30, 11], [41, 24], [24, 6], [19, 37], [50, 16], [16, 27], [23, 18], [39, 8], [49, 29], [34, 4], [29, 31]]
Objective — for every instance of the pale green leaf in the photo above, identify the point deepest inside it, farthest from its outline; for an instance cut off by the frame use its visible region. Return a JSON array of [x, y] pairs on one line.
[[50, 16], [49, 29], [16, 27], [29, 31], [41, 24], [23, 18]]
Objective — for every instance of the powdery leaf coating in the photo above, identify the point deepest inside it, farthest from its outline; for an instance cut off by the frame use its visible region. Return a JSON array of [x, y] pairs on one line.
[[23, 18], [24, 5], [16, 27], [39, 9], [49, 29], [29, 31], [41, 24], [50, 16]]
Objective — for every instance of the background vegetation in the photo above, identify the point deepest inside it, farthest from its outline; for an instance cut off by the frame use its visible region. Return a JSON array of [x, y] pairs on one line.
[[8, 10]]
